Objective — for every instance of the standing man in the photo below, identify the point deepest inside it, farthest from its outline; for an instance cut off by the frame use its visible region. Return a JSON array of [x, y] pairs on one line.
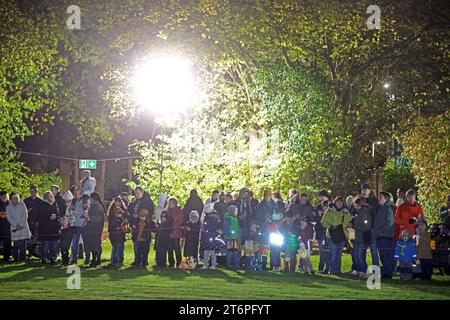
[[372, 201], [400, 197], [246, 211], [324, 250], [32, 202], [87, 182], [5, 228], [383, 232], [59, 201], [142, 200], [408, 214]]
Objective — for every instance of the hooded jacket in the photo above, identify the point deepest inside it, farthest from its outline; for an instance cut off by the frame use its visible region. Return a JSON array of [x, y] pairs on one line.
[[18, 214], [332, 218]]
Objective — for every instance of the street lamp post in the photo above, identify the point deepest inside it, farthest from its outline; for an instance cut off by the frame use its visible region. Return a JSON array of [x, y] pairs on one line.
[[376, 166]]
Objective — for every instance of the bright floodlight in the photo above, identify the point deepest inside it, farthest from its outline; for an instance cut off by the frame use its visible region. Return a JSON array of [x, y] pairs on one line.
[[276, 239], [386, 85], [165, 85]]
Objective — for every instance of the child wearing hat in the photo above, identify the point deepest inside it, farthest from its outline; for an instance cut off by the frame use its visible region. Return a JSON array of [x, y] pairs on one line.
[[405, 254], [423, 240], [191, 230], [210, 231]]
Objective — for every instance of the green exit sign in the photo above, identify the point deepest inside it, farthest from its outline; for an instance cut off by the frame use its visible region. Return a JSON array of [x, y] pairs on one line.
[[402, 162], [88, 164]]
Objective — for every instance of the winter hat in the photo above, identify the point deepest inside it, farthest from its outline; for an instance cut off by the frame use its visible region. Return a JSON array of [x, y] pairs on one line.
[[194, 216], [324, 193], [243, 191], [209, 208], [405, 233], [365, 186], [232, 209], [67, 196]]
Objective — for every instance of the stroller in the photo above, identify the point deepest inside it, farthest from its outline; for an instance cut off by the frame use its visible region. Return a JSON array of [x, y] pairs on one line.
[[440, 250]]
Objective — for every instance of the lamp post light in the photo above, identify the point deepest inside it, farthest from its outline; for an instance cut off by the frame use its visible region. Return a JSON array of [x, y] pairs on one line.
[[374, 165], [166, 86]]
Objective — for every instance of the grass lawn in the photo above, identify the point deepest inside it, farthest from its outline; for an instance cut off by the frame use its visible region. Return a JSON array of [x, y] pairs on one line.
[[33, 281]]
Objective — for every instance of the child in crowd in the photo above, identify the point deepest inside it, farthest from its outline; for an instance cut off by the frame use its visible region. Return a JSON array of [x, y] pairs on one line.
[[191, 230], [117, 229], [405, 254], [306, 240], [423, 240], [210, 230], [292, 229], [163, 239], [142, 235], [231, 230], [251, 247], [276, 240]]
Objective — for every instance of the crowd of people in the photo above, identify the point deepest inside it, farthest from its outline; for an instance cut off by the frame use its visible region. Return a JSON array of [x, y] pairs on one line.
[[251, 234]]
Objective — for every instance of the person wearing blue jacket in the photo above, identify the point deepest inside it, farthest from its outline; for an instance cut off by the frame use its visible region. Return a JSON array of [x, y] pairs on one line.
[[405, 254]]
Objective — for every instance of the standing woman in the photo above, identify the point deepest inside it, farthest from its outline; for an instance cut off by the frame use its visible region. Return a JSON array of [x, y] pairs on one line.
[[17, 215], [92, 232], [117, 203], [48, 228], [66, 229], [336, 220]]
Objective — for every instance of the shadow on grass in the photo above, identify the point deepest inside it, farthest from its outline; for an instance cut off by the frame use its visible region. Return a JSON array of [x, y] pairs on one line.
[[35, 272]]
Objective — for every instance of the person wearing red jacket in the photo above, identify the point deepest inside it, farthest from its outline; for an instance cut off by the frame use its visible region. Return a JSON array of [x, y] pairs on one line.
[[176, 234], [407, 214]]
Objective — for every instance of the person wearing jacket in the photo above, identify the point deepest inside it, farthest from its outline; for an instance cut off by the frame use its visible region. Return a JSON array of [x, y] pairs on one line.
[[49, 228], [142, 200], [231, 232], [335, 217], [78, 212], [32, 203], [59, 203], [142, 235], [191, 230], [324, 251], [372, 201], [211, 227], [5, 228], [87, 183], [193, 203], [424, 254], [246, 211], [405, 254], [445, 211], [92, 232], [408, 214], [66, 230], [17, 215], [266, 206], [221, 206], [176, 234], [117, 228], [274, 228], [383, 231], [163, 239], [362, 224], [306, 236]]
